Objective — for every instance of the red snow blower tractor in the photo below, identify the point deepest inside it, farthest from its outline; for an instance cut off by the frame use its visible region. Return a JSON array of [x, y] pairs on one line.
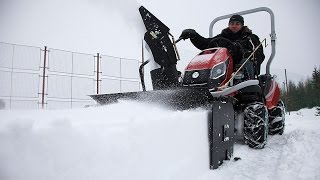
[[238, 107]]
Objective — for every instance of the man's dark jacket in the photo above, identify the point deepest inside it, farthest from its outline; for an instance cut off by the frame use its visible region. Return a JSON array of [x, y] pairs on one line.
[[245, 37]]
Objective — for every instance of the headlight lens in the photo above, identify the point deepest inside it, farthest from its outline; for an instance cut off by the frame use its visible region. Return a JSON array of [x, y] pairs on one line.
[[218, 70]]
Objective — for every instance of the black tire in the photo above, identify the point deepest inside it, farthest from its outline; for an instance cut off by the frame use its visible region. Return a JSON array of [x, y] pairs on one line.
[[277, 119], [256, 125]]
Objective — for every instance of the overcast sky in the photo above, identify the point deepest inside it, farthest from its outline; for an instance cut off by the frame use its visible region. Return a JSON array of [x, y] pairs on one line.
[[113, 27]]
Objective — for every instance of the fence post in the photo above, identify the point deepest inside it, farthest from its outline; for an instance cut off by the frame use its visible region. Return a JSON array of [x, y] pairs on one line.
[[98, 71], [44, 77], [11, 76]]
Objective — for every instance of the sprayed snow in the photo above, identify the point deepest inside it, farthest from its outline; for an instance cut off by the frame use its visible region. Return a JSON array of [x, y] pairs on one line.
[[131, 140]]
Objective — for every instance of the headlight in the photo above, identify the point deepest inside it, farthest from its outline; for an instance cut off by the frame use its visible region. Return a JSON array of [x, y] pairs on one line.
[[218, 70]]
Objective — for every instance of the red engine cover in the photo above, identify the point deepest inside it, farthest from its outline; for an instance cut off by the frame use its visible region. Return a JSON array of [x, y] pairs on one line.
[[208, 58]]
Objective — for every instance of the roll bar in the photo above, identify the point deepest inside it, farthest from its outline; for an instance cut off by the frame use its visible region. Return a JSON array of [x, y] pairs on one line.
[[272, 34]]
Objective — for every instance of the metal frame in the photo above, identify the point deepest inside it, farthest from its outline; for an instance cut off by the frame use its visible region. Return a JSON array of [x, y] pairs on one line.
[[272, 34]]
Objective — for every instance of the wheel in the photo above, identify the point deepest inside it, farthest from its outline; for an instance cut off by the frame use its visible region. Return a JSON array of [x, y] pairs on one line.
[[256, 125], [277, 119]]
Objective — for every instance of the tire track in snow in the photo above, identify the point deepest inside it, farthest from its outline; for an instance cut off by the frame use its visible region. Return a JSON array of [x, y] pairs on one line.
[[299, 157], [293, 155]]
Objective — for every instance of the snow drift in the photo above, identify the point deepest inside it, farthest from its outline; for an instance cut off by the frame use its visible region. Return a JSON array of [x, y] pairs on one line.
[[131, 140]]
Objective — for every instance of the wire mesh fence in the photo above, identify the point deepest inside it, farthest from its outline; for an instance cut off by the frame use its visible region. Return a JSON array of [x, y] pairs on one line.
[[70, 79], [33, 78], [19, 76], [119, 74]]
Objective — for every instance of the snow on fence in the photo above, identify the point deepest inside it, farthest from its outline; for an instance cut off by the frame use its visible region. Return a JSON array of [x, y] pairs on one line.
[[33, 78]]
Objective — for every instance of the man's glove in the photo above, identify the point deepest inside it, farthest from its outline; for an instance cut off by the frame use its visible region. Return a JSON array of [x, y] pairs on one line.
[[188, 33]]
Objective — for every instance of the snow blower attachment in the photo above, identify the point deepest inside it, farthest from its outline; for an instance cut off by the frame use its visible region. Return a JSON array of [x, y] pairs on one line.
[[167, 90], [237, 107]]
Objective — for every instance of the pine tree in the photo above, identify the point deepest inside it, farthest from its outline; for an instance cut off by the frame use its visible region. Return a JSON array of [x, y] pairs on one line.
[[305, 94], [318, 111], [292, 97], [310, 94], [301, 95], [316, 86]]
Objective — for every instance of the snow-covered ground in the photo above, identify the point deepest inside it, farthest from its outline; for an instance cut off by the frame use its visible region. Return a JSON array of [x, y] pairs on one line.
[[131, 140]]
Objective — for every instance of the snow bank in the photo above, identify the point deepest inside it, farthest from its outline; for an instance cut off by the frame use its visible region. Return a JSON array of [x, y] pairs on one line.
[[132, 140], [122, 141]]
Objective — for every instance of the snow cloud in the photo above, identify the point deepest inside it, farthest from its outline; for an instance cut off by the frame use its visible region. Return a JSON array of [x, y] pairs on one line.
[[127, 10]]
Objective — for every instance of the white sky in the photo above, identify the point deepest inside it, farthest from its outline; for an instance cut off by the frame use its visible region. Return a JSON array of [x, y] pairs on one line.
[[113, 27]]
